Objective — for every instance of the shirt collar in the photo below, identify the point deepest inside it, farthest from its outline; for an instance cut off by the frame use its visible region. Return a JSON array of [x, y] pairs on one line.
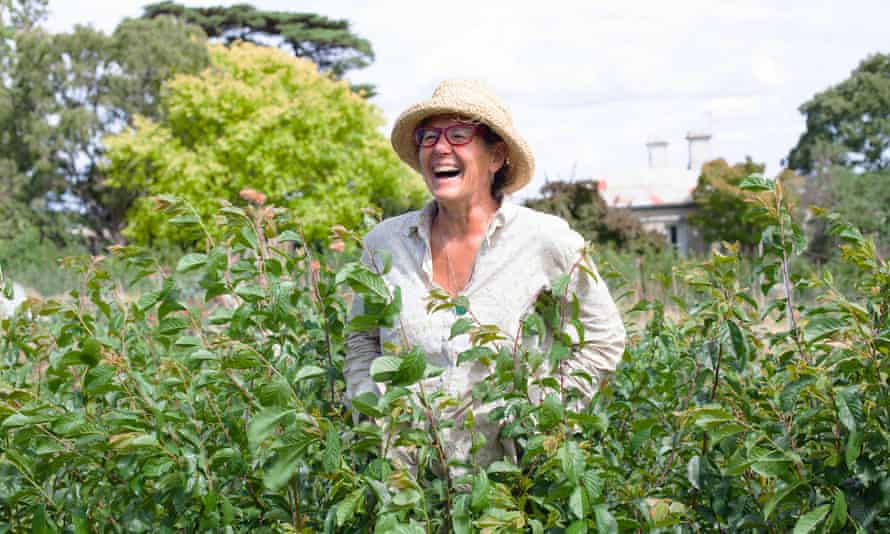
[[421, 221]]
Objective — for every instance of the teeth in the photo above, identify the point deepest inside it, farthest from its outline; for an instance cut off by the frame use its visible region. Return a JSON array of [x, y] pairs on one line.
[[445, 168]]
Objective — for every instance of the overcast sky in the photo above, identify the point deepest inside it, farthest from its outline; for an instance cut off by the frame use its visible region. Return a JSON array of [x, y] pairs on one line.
[[590, 81]]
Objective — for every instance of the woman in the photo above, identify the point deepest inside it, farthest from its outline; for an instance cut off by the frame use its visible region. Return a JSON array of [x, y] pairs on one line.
[[471, 241]]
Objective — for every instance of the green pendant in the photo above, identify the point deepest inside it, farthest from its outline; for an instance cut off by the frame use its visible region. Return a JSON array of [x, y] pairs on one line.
[[460, 310]]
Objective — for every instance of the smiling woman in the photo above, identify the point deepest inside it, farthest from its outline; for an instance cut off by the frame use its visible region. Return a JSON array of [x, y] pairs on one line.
[[493, 257]]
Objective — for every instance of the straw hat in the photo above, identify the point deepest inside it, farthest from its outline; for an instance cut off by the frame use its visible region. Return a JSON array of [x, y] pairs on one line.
[[474, 100]]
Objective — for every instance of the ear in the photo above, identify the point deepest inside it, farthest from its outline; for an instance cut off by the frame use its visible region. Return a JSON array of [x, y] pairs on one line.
[[498, 157]]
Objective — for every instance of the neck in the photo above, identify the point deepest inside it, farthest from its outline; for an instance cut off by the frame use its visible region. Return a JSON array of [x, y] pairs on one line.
[[465, 219]]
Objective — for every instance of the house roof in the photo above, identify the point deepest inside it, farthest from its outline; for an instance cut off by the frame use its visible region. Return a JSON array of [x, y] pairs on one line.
[[649, 187]]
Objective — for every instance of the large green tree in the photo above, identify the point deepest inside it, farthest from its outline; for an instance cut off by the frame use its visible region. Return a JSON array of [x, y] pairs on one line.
[[261, 119], [848, 124], [60, 94], [328, 42]]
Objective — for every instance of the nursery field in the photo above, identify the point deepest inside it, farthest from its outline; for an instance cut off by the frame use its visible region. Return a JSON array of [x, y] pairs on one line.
[[212, 400]]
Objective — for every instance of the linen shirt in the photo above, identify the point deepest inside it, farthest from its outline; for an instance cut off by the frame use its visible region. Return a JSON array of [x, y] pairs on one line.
[[522, 252]]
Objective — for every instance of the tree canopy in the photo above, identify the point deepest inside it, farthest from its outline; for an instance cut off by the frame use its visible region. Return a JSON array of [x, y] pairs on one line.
[[328, 42], [848, 124], [724, 212], [265, 120], [61, 93]]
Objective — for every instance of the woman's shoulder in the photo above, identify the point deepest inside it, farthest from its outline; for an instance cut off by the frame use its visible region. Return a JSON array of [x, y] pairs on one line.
[[392, 228], [550, 228]]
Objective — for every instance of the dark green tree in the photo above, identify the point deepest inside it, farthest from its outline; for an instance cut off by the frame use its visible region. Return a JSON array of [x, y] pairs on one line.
[[724, 211], [328, 42], [580, 204], [61, 94], [848, 124]]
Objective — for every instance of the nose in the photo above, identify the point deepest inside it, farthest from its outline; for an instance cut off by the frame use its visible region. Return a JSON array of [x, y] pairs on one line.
[[442, 145]]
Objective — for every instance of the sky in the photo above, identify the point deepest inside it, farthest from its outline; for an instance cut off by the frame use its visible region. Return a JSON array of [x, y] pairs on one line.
[[589, 82]]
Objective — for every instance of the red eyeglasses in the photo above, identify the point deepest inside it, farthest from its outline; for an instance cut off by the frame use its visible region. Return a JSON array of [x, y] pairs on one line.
[[456, 134]]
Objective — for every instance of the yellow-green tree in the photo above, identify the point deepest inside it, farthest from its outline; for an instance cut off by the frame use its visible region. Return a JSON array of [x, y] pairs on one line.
[[262, 119]]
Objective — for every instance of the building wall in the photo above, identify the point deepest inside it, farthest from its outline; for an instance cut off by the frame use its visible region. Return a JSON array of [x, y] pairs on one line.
[[672, 222]]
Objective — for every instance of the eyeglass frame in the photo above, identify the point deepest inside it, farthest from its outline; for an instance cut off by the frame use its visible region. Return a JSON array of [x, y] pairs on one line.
[[439, 131]]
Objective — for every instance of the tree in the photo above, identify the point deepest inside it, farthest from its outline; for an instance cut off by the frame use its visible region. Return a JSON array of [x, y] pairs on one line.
[[265, 120], [60, 94], [329, 43], [580, 204], [848, 124], [723, 213]]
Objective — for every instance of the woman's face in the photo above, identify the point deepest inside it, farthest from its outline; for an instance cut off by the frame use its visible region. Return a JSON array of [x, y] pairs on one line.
[[459, 172]]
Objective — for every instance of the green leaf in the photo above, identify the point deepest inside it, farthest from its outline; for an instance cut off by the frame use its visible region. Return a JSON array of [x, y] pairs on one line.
[[693, 471], [289, 235], [778, 497], [808, 521], [757, 183], [551, 412], [605, 522], [147, 300], [479, 497], [853, 448], [576, 502], [739, 345], [188, 341], [411, 368], [577, 527], [363, 281], [263, 424], [473, 354], [461, 326], [849, 407], [308, 371], [366, 404], [282, 469], [838, 517], [385, 368], [333, 451], [190, 262], [559, 284], [821, 327], [347, 507]]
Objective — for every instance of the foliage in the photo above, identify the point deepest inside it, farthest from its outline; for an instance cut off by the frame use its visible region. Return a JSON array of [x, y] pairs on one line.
[[224, 410], [724, 212], [265, 120], [580, 204], [848, 124], [61, 93], [33, 261], [327, 42], [863, 198]]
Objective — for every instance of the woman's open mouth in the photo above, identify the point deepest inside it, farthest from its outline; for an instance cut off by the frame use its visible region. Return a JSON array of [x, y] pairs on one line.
[[446, 172]]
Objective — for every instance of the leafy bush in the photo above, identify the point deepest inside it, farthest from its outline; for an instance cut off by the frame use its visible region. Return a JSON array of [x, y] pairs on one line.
[[225, 412]]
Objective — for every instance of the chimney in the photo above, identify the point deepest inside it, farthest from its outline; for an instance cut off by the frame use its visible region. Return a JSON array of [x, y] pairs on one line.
[[657, 153], [699, 149]]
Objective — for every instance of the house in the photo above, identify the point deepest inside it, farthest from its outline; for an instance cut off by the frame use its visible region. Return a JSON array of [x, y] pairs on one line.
[[661, 195]]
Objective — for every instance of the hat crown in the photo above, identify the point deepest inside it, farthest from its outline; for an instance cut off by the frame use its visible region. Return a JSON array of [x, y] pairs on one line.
[[473, 92]]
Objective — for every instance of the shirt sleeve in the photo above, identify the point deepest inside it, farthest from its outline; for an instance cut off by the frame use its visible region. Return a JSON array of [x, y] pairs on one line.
[[361, 350], [604, 334]]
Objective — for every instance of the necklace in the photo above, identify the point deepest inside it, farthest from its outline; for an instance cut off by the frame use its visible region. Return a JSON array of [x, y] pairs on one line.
[[449, 267]]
